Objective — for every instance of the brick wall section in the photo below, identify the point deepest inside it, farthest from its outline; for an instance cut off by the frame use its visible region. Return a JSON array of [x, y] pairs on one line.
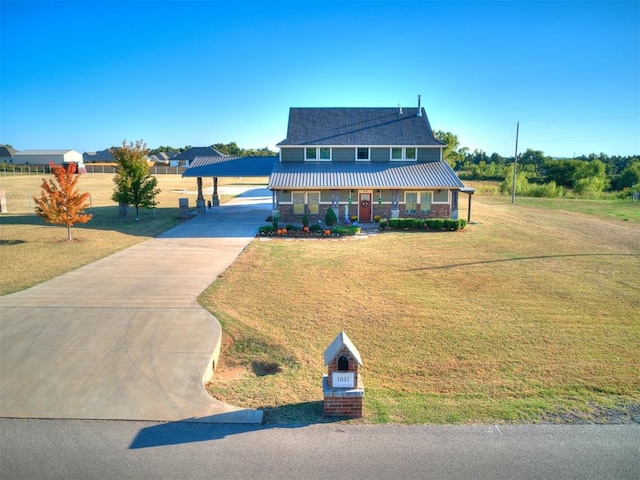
[[343, 407], [333, 366]]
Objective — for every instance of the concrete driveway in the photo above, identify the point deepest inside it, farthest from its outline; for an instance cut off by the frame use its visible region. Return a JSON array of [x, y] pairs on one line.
[[124, 338]]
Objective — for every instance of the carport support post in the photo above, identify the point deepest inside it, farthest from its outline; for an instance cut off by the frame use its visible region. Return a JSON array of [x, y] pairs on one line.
[[216, 199], [200, 200], [469, 209]]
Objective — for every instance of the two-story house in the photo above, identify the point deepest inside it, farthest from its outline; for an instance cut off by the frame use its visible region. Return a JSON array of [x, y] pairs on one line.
[[362, 162]]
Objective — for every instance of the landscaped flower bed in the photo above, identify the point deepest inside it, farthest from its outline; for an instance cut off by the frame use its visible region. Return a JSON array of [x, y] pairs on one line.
[[307, 231]]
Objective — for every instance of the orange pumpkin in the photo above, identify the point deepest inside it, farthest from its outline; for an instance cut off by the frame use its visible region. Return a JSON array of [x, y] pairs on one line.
[[284, 231], [327, 232], [279, 232]]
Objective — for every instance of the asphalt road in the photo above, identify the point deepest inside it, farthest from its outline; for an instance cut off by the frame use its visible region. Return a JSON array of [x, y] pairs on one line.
[[87, 449]]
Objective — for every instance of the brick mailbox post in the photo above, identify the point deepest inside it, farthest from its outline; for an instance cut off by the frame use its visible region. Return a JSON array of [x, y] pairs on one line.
[[342, 385]]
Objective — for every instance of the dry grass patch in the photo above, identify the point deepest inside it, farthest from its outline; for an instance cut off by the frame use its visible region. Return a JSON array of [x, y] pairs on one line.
[[533, 310], [32, 251]]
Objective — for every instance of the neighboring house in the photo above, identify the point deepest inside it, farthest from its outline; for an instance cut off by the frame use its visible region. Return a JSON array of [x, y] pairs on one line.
[[185, 158], [101, 156], [362, 162], [44, 157], [162, 158], [7, 153]]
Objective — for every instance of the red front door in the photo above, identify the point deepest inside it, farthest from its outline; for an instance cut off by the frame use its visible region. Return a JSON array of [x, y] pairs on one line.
[[364, 207]]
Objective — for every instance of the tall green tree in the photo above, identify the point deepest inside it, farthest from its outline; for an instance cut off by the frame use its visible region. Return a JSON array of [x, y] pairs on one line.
[[590, 178], [134, 184], [452, 153], [60, 202]]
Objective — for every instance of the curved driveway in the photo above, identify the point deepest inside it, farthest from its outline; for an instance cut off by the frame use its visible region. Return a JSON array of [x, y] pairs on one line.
[[124, 337]]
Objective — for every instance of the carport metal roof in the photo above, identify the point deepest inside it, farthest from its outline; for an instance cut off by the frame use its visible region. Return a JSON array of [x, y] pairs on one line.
[[228, 166]]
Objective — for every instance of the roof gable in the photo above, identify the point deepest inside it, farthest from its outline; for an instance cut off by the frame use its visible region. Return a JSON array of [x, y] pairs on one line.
[[358, 126], [338, 343], [193, 152]]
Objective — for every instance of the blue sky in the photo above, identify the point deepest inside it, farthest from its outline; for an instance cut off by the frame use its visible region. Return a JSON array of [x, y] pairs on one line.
[[86, 75]]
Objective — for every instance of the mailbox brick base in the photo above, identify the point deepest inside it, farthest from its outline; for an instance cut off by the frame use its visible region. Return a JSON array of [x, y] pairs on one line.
[[340, 402]]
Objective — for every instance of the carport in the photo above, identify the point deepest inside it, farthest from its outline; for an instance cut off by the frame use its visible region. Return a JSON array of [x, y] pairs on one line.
[[226, 166]]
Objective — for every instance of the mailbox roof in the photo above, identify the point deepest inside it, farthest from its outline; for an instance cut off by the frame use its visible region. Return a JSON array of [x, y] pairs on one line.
[[341, 341]]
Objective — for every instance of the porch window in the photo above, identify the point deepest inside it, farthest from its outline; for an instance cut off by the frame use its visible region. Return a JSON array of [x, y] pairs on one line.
[[317, 153], [325, 153], [313, 199], [363, 153], [425, 202], [310, 153], [411, 202], [298, 202], [404, 153]]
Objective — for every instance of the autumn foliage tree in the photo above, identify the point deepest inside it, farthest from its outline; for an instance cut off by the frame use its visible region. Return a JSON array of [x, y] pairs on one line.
[[60, 202], [134, 184]]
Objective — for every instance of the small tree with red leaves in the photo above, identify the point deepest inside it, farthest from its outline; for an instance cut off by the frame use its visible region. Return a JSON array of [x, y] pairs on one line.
[[60, 203]]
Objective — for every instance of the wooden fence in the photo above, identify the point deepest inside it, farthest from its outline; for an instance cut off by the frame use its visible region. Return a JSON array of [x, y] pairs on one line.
[[10, 169]]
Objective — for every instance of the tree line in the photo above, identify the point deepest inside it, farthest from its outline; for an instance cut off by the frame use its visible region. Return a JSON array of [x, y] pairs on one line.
[[542, 175], [230, 148]]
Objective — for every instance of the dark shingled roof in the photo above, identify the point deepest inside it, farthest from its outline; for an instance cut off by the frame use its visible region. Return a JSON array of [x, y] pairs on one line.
[[358, 126], [338, 175], [227, 166], [193, 152]]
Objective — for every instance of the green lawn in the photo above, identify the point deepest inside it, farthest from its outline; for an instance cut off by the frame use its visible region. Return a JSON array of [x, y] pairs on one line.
[[529, 312], [532, 311]]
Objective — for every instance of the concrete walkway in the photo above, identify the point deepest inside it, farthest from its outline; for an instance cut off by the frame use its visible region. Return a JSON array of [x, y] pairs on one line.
[[124, 338]]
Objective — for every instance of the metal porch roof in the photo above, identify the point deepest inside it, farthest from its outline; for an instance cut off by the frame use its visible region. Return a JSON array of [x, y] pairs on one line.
[[330, 175], [227, 166]]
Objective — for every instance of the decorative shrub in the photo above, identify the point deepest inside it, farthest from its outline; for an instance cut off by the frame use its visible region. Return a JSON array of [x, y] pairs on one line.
[[406, 223], [376, 218], [346, 231], [266, 230], [290, 227], [305, 221], [354, 218], [330, 217], [315, 227], [274, 221], [450, 224], [435, 223]]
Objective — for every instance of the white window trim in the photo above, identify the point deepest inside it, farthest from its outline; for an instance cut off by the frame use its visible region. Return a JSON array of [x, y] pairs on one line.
[[368, 159], [404, 155], [318, 159]]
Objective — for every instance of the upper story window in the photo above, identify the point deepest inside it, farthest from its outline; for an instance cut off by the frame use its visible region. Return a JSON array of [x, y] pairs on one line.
[[317, 153], [362, 153], [404, 153]]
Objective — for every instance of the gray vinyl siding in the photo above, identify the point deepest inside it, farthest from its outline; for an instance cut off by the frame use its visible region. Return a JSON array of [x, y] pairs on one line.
[[292, 154], [325, 196], [380, 154], [428, 154], [344, 196], [343, 154]]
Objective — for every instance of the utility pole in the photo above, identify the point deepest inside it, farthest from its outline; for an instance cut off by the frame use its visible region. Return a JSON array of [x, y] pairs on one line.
[[515, 166]]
